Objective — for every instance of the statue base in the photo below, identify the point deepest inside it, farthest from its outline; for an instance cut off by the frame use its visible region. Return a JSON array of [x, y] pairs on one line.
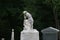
[[30, 35]]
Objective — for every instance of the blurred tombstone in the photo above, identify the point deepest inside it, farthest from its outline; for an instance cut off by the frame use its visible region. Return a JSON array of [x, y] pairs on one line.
[[2, 39], [12, 35], [50, 33]]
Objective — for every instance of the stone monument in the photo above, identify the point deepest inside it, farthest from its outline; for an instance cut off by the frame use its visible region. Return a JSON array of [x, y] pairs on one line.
[[12, 35], [2, 39], [28, 32], [50, 33]]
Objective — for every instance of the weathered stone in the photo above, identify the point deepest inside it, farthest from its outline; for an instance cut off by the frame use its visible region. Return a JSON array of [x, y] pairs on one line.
[[30, 35], [50, 33], [2, 39], [12, 35]]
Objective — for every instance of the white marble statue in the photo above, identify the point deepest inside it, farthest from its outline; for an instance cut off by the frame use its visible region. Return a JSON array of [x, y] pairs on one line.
[[29, 33], [28, 21]]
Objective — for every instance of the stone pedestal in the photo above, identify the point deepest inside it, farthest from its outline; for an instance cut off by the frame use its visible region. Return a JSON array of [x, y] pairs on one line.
[[29, 35]]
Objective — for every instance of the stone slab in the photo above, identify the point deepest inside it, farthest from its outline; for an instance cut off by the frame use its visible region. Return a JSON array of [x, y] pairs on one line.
[[30, 35]]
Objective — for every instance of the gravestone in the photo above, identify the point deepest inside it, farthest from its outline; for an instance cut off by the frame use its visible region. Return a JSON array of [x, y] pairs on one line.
[[12, 34], [2, 39], [28, 32], [50, 33]]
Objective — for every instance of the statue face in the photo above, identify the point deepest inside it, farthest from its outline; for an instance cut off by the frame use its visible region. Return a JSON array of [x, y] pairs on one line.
[[26, 16]]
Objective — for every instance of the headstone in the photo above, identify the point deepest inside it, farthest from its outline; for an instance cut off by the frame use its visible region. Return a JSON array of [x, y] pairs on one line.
[[2, 39], [50, 33], [12, 35], [28, 32]]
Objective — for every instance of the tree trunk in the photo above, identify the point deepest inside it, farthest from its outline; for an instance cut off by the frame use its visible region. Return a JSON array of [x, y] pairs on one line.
[[56, 17], [56, 20]]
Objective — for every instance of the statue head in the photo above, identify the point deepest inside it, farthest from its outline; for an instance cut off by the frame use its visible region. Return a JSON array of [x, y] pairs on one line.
[[24, 12]]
